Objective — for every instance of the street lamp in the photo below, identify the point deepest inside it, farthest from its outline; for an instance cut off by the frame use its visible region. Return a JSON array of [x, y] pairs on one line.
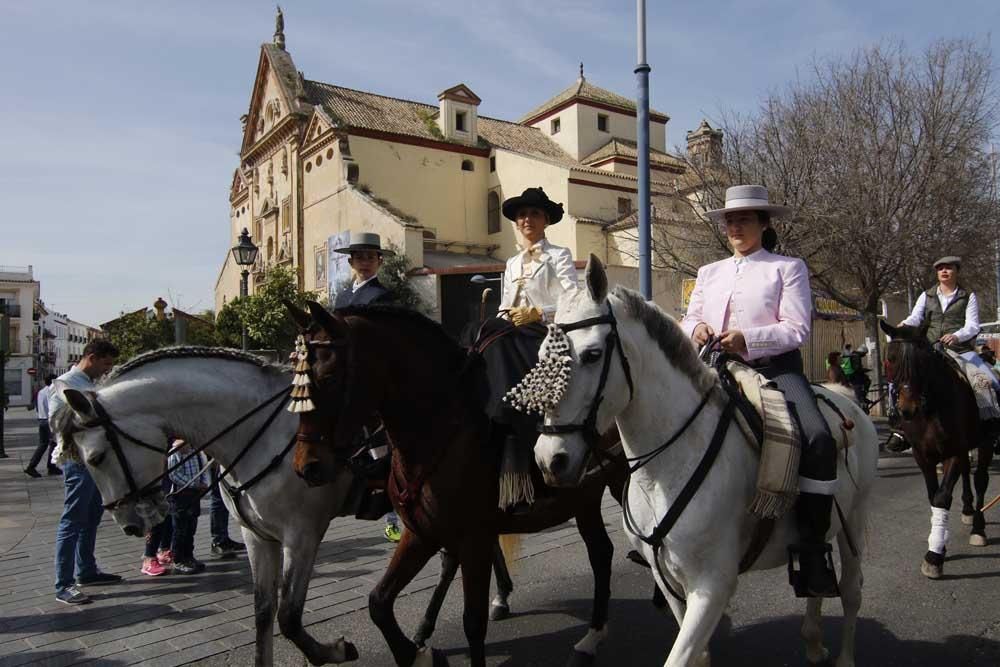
[[245, 254]]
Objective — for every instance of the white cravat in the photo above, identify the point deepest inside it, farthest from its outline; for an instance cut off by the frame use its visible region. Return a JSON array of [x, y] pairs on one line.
[[356, 286]]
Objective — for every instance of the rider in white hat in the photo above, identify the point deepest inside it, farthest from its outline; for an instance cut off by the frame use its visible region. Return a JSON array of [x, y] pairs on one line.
[[759, 305]]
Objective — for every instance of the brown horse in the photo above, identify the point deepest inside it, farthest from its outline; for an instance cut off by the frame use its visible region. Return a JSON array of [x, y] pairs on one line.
[[403, 367], [940, 420]]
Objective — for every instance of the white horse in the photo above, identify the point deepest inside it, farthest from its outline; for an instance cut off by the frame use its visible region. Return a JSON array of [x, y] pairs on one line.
[[700, 556], [195, 393]]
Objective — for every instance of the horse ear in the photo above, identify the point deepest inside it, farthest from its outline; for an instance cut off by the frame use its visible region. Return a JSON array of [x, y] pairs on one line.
[[889, 330], [301, 318], [80, 403], [321, 316], [597, 279]]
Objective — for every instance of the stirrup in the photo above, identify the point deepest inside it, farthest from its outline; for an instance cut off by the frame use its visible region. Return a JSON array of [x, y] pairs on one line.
[[896, 443], [800, 581]]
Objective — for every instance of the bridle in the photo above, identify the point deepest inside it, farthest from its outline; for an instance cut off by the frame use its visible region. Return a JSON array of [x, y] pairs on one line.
[[589, 429], [612, 342], [114, 433]]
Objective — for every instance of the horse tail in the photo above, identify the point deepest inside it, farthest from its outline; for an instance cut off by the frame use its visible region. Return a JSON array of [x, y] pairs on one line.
[[510, 545]]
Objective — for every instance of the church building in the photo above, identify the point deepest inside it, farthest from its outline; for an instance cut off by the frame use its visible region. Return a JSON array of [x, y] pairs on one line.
[[320, 160]]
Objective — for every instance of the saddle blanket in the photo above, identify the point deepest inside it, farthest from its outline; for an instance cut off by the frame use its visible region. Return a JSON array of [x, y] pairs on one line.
[[780, 453], [982, 386]]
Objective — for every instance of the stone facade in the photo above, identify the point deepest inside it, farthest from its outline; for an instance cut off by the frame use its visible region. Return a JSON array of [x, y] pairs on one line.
[[19, 294], [319, 159]]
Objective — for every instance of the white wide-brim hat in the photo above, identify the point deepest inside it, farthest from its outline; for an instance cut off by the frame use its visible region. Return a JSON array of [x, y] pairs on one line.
[[747, 198]]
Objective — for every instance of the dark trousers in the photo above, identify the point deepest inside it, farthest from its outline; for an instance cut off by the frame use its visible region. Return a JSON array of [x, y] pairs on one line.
[[185, 508], [160, 537], [819, 450], [45, 441], [217, 512]]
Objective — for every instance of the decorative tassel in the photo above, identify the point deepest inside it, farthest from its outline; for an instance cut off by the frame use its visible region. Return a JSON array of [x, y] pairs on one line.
[[301, 398], [544, 386]]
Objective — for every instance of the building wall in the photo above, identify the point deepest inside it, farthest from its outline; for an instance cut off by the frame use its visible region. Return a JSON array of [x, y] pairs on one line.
[[18, 288], [578, 134]]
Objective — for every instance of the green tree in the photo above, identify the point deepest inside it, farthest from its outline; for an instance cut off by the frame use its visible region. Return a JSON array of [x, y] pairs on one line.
[[135, 333], [395, 276], [267, 321]]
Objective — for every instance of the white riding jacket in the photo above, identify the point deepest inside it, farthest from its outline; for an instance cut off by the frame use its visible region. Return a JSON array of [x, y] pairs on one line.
[[537, 277]]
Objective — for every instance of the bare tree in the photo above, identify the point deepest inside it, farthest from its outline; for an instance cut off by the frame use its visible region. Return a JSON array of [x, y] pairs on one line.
[[884, 158]]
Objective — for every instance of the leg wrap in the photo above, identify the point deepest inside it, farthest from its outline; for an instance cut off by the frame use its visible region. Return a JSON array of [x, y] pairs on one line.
[[938, 539]]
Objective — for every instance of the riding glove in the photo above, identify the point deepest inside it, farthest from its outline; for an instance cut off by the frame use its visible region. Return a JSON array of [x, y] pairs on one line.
[[521, 315]]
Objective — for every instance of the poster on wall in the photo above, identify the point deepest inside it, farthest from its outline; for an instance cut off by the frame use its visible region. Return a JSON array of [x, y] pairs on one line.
[[339, 271]]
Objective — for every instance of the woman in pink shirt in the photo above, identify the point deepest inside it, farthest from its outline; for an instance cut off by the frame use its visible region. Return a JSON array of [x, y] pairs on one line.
[[759, 305]]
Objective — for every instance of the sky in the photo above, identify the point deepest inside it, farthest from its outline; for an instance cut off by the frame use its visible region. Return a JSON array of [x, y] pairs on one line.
[[120, 120]]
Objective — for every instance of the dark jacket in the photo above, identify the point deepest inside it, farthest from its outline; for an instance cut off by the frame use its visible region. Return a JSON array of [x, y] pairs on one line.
[[950, 320], [372, 293]]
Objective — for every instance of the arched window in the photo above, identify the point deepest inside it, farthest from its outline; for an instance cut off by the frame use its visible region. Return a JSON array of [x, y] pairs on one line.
[[493, 216], [468, 166]]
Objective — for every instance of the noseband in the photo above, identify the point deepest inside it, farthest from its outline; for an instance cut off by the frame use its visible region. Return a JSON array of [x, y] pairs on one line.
[[612, 342]]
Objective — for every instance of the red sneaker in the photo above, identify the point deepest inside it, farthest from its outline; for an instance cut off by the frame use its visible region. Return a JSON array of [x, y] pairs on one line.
[[152, 567], [165, 556]]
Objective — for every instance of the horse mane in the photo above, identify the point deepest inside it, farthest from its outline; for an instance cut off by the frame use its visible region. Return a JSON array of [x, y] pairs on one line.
[[668, 335], [188, 352], [381, 312], [919, 365]]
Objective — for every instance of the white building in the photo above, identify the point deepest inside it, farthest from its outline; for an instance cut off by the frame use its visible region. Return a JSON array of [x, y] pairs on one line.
[[19, 292], [57, 325]]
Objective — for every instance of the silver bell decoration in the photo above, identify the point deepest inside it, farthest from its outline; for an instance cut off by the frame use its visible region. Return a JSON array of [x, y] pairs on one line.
[[544, 386]]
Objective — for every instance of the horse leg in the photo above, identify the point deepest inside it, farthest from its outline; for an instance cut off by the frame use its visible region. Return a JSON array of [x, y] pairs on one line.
[[933, 562], [937, 541], [449, 567], [812, 632], [982, 480], [477, 559], [409, 557], [851, 580], [705, 604], [300, 554], [600, 551], [967, 508], [265, 558], [500, 606]]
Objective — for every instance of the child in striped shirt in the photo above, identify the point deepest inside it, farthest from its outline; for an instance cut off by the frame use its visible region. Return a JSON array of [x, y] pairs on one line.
[[189, 483]]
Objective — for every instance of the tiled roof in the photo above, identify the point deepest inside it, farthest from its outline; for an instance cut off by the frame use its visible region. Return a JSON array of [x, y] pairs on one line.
[[356, 108], [628, 149], [583, 89]]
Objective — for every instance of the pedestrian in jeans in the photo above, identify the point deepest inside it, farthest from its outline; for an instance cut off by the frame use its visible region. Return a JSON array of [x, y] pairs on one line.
[[45, 441], [82, 508], [222, 546], [189, 483]]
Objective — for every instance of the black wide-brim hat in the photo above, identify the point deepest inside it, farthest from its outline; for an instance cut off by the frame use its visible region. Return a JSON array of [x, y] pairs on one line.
[[536, 198]]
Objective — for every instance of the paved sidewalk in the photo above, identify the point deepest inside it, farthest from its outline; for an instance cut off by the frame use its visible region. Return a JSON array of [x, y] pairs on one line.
[[171, 619]]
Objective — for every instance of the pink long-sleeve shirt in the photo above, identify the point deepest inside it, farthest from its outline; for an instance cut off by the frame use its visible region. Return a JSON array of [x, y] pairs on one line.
[[766, 296]]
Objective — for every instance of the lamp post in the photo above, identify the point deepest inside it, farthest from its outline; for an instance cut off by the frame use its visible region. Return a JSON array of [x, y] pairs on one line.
[[245, 254]]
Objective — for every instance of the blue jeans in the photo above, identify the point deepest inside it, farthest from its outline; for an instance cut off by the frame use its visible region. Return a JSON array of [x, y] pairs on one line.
[[77, 532]]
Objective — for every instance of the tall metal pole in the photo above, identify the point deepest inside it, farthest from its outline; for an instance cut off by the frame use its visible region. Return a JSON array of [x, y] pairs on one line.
[[243, 294], [642, 118]]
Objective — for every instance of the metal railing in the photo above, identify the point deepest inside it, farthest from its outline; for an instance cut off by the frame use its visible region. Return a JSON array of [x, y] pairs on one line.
[[12, 309]]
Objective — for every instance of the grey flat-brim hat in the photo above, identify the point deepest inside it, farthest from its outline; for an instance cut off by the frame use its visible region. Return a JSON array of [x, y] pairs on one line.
[[747, 198], [948, 259], [364, 241]]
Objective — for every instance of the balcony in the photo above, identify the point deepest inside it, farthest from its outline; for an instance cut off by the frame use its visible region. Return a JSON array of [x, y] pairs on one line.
[[12, 309]]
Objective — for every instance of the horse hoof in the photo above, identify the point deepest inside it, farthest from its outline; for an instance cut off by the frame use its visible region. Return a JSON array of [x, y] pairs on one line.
[[931, 571], [977, 540], [350, 652], [499, 612], [967, 519], [823, 658]]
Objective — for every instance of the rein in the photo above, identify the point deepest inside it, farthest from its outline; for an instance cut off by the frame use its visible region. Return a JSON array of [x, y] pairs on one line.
[[112, 432], [589, 429]]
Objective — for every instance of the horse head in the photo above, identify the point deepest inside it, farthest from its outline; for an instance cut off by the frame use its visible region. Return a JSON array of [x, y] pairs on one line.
[[909, 360], [342, 404], [127, 475], [598, 387]]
